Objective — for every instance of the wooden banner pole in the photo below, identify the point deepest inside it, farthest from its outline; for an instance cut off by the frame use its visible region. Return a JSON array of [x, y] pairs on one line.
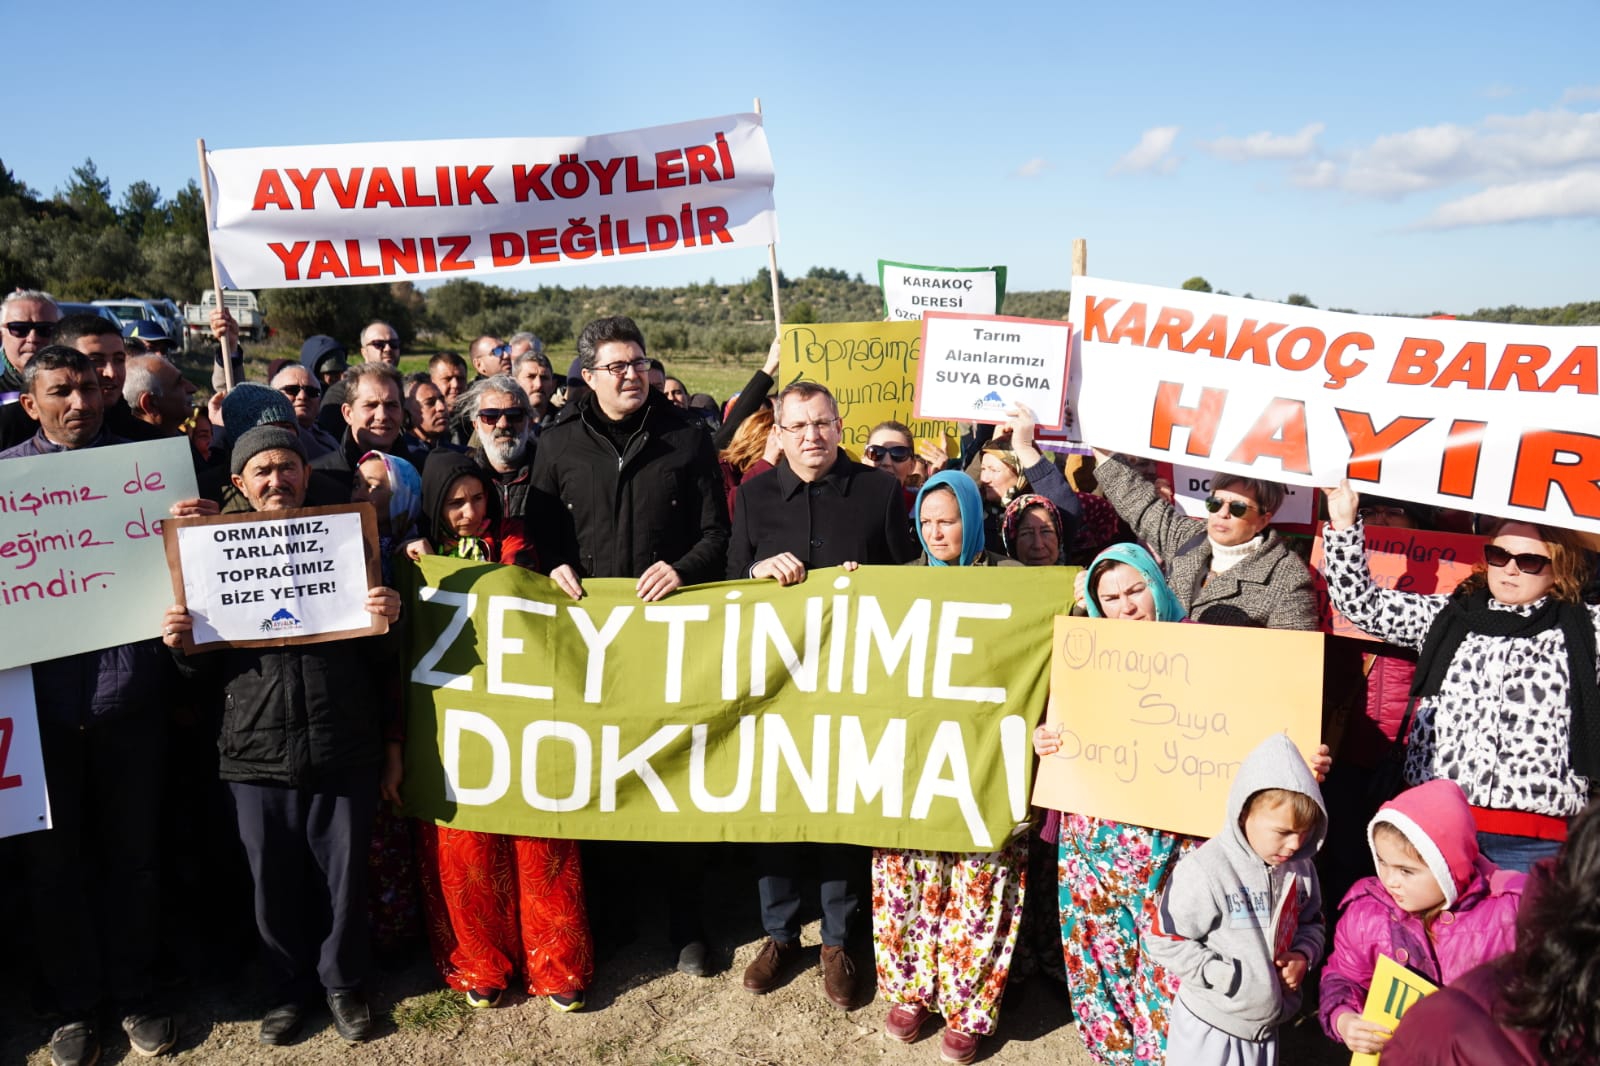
[[216, 275], [772, 269]]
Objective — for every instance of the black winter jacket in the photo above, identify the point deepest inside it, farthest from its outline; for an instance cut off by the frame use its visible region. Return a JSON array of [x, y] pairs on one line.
[[614, 516]]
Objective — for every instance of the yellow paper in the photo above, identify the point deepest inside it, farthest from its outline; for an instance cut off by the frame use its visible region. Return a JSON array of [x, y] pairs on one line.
[[1155, 718], [1394, 991], [871, 369]]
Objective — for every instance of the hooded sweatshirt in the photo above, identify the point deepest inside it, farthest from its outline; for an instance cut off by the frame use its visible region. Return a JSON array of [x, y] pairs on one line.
[[502, 540], [1225, 908], [1478, 921]]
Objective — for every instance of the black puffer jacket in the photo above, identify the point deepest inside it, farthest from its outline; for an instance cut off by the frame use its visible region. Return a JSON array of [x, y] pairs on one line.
[[611, 515]]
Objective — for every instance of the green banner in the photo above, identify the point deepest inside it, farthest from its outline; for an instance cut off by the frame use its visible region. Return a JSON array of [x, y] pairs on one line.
[[892, 706]]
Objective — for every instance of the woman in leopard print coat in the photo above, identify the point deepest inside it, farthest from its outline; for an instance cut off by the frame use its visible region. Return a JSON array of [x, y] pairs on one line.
[[1506, 701]]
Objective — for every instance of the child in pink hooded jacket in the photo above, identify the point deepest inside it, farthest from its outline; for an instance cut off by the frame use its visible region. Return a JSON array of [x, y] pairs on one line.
[[1436, 907]]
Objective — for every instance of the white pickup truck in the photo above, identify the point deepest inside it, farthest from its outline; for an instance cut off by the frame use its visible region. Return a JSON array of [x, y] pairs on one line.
[[246, 311]]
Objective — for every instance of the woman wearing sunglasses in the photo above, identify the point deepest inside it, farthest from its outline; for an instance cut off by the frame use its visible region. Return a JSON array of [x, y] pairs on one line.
[[1228, 568], [1505, 698]]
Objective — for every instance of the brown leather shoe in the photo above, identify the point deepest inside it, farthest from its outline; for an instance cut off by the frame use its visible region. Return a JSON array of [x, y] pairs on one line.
[[839, 977], [767, 968]]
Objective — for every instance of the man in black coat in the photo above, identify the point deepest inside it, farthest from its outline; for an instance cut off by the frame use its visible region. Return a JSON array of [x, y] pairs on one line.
[[815, 509], [625, 486]]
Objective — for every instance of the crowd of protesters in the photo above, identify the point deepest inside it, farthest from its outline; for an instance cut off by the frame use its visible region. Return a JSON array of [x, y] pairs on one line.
[[1455, 806]]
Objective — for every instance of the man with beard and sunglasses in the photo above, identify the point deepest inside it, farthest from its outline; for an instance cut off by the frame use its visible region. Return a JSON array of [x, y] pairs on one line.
[[502, 438]]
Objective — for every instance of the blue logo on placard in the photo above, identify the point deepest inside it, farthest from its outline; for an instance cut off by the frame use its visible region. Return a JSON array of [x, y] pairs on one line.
[[280, 620], [991, 402]]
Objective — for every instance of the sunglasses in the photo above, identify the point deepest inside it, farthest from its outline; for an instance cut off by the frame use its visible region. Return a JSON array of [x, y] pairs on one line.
[[1528, 562], [1236, 508], [292, 391], [897, 452], [513, 415], [22, 329], [385, 344], [502, 352]]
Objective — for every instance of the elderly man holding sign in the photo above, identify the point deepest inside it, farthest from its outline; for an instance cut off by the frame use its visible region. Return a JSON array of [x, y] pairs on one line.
[[302, 747]]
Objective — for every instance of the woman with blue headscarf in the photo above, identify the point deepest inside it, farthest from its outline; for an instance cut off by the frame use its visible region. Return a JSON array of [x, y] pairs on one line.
[[944, 925], [1110, 872], [949, 520]]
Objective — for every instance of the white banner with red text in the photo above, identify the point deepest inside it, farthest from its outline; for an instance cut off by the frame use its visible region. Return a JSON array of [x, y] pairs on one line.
[[344, 214], [1478, 416]]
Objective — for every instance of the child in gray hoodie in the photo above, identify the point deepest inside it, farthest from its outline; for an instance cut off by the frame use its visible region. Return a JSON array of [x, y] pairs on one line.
[[1240, 920]]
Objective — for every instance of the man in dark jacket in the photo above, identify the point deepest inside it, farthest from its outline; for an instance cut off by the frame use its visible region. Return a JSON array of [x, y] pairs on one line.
[[94, 876], [303, 749], [373, 414], [625, 486], [816, 508]]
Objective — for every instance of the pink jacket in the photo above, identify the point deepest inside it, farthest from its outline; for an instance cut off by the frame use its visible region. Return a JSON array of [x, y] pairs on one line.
[[1481, 926]]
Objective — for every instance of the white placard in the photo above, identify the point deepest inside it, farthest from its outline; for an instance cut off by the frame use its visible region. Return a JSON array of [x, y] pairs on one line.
[[909, 292], [977, 367], [347, 214], [270, 578], [24, 797], [1487, 417]]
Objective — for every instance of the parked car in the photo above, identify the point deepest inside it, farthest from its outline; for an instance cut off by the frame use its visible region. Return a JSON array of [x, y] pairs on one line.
[[130, 310], [93, 309]]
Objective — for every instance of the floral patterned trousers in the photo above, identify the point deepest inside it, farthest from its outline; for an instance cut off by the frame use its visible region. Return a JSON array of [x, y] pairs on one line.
[[944, 926], [499, 904], [1110, 875]]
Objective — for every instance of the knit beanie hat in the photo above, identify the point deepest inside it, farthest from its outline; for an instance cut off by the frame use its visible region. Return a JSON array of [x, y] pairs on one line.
[[264, 439], [250, 405], [1437, 820]]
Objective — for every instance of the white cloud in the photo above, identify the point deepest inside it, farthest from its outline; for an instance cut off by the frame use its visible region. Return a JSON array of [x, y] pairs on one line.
[[1575, 195], [1265, 145], [1032, 168], [1501, 152], [1152, 154], [1580, 93]]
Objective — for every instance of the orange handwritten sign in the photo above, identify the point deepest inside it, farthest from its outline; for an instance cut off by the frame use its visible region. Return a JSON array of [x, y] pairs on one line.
[[1410, 560]]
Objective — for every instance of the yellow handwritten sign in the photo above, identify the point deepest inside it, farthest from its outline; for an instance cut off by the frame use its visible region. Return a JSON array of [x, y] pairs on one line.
[[871, 369], [1394, 991], [1155, 718]]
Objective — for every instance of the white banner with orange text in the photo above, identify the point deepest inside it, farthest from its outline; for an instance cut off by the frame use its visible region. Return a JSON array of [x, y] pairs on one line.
[[1498, 419], [345, 214]]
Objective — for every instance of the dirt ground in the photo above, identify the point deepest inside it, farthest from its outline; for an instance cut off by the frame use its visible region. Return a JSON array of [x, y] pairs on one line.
[[641, 1012]]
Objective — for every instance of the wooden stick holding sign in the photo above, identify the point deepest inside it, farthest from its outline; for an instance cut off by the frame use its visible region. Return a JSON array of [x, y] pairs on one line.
[[772, 268], [216, 274], [268, 578]]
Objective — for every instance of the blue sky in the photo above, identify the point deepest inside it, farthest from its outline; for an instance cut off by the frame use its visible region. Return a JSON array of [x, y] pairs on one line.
[[1383, 157]]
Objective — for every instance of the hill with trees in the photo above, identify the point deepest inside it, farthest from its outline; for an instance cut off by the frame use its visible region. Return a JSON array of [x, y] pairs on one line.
[[80, 244]]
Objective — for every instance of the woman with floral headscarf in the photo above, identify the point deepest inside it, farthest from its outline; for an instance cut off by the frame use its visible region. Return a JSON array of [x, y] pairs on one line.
[[944, 925], [1032, 532]]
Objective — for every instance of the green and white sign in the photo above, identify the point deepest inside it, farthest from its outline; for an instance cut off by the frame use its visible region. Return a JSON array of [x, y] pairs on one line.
[[909, 290], [892, 706]]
